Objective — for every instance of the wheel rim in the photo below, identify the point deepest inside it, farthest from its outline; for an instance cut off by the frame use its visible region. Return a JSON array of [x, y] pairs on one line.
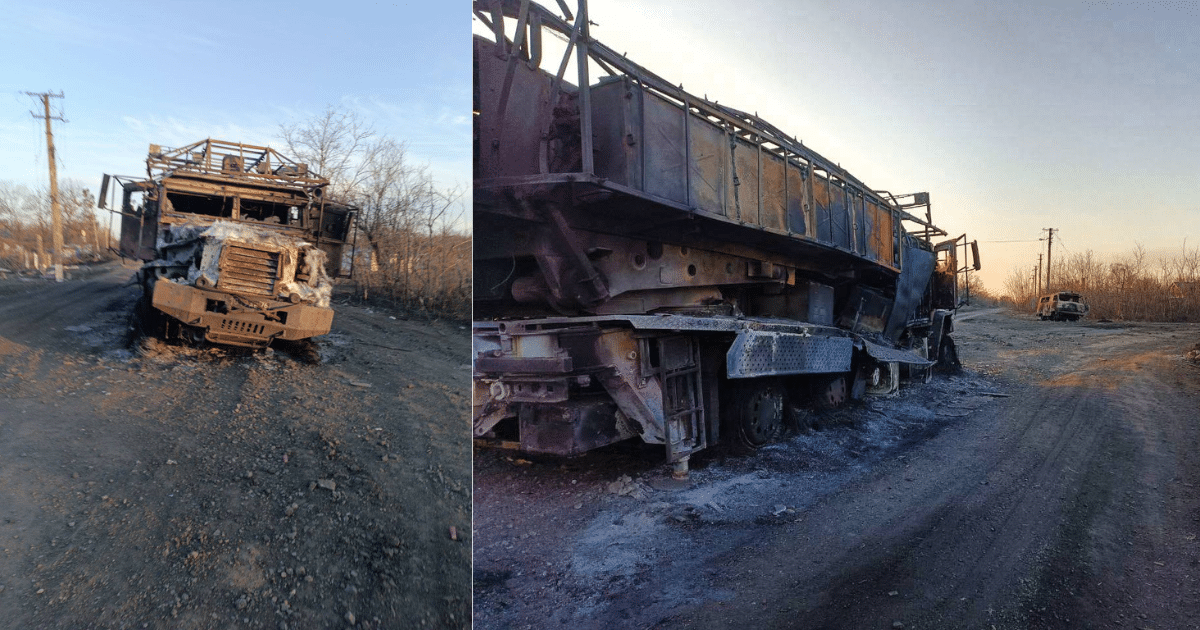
[[832, 393], [762, 416]]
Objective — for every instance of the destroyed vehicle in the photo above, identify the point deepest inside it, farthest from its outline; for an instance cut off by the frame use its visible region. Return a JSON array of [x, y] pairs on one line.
[[652, 265], [239, 244], [1062, 306]]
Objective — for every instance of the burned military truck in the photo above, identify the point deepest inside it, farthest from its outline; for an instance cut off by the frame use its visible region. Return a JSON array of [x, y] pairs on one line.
[[650, 264], [239, 243]]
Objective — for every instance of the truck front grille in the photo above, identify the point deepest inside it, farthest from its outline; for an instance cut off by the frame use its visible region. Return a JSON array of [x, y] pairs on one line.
[[250, 271], [237, 326]]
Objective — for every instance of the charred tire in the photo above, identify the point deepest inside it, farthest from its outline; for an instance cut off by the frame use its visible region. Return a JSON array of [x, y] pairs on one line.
[[756, 408], [798, 419], [829, 391], [303, 350], [145, 321], [193, 336]]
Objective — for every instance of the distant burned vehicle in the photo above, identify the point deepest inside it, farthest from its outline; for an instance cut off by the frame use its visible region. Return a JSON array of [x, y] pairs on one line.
[[1062, 306], [239, 241]]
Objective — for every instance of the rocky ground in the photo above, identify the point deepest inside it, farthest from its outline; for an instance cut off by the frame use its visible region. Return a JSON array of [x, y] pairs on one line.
[[1051, 484], [159, 486]]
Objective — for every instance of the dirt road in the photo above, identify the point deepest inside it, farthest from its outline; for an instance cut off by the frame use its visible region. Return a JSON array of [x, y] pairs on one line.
[[1051, 485], [182, 488]]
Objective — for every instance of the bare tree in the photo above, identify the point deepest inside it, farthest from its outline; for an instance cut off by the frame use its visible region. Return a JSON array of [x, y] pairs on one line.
[[335, 143], [415, 254]]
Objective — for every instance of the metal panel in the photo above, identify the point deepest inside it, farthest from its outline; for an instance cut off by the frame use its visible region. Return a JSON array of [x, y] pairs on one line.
[[860, 227], [820, 304], [798, 214], [910, 287], [665, 151], [880, 233], [820, 203], [512, 124], [248, 271], [709, 149], [839, 218], [757, 353], [774, 193], [571, 427], [745, 177], [892, 355]]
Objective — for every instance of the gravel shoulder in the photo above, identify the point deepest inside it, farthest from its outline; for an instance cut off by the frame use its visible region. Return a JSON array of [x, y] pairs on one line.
[[173, 487], [1050, 485]]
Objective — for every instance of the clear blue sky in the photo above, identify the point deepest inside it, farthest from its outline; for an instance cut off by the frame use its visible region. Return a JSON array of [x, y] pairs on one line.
[[1015, 116], [172, 73]]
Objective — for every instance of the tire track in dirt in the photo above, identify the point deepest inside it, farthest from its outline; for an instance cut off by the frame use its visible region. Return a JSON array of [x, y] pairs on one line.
[[1014, 519]]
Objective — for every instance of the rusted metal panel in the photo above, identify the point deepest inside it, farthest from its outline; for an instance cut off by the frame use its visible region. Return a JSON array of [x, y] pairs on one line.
[[208, 310], [512, 123], [247, 270], [708, 147], [745, 176], [773, 215], [821, 209], [572, 427], [911, 287], [799, 214], [839, 216], [138, 234]]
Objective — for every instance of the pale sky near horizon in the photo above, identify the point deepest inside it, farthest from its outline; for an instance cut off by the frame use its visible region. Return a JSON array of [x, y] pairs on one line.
[[173, 73], [1082, 116]]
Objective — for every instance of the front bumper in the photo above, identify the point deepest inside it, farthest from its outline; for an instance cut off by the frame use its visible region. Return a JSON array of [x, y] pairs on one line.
[[225, 321]]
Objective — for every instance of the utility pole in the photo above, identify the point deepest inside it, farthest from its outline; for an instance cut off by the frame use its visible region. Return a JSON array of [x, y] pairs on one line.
[[1049, 247], [1039, 276], [55, 212]]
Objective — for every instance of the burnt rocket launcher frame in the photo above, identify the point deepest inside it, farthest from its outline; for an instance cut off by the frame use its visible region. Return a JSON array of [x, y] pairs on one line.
[[239, 243], [651, 264]]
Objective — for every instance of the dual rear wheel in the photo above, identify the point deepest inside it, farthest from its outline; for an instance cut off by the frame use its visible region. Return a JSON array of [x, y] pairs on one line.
[[758, 409]]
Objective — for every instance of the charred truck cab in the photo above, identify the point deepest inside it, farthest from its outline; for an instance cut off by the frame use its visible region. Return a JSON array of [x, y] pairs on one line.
[[650, 264], [239, 243]]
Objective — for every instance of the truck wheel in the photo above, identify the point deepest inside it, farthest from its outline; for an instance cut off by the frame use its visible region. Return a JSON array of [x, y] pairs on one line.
[[303, 350], [193, 336], [757, 410], [829, 392], [145, 321]]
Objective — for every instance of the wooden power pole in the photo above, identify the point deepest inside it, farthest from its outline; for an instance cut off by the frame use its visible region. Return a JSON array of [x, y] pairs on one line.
[[1039, 276], [55, 210], [1049, 247]]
